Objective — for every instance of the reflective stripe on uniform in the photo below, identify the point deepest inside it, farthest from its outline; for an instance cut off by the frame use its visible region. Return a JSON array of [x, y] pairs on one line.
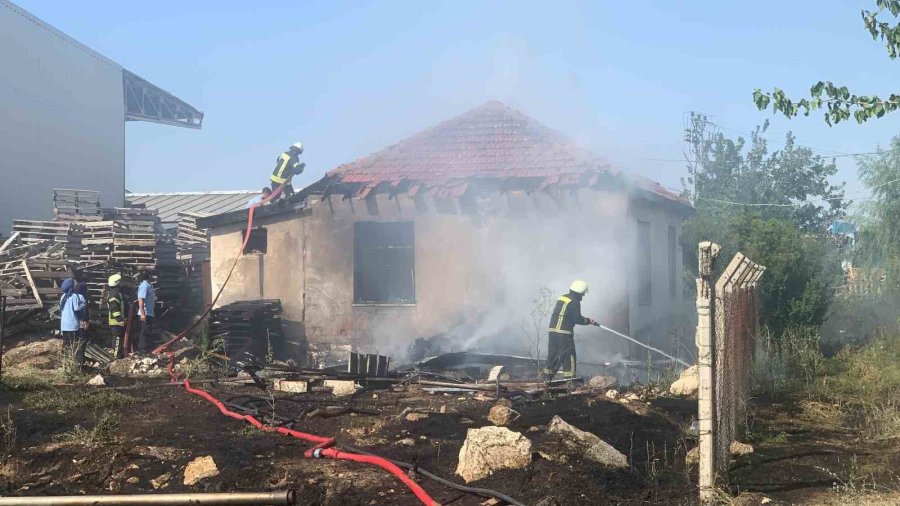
[[279, 170], [561, 316]]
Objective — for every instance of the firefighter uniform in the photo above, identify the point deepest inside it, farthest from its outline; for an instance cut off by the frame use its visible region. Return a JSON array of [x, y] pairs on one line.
[[115, 305], [287, 165], [561, 347]]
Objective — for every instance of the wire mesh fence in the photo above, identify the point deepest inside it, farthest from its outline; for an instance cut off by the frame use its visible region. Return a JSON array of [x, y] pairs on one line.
[[728, 322]]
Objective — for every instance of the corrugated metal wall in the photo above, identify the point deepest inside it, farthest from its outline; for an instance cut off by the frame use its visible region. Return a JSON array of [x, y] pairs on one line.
[[61, 119]]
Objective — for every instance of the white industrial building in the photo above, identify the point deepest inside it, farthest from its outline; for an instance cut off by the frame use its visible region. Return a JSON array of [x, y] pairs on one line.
[[63, 109]]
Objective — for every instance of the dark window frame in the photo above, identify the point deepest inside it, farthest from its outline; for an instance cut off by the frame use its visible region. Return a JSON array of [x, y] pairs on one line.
[[384, 263], [645, 263], [257, 243]]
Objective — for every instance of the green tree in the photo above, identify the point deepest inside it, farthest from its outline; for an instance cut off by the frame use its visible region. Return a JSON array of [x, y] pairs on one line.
[[839, 103], [728, 177], [879, 234], [774, 207]]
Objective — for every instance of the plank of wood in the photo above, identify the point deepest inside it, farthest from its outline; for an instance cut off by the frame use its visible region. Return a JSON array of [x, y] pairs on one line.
[[37, 296], [9, 241], [48, 275]]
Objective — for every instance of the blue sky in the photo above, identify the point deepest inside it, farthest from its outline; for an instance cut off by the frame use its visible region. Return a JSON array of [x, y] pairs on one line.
[[348, 78]]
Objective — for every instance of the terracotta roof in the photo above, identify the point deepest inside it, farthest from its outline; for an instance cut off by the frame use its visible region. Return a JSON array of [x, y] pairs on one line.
[[490, 141]]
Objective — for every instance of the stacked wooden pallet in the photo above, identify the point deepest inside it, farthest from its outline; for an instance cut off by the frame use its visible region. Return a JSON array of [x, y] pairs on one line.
[[96, 242], [135, 236], [193, 250], [30, 276], [193, 242], [67, 233], [252, 327], [76, 205], [169, 278]]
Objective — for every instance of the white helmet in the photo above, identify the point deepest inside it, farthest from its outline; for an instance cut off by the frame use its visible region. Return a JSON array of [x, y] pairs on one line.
[[578, 286], [298, 146], [115, 279]]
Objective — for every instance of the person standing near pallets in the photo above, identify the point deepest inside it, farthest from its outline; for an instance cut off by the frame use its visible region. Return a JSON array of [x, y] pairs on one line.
[[115, 305], [146, 301], [72, 306]]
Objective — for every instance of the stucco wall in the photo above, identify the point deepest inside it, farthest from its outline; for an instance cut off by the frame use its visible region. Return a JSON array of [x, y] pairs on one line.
[[62, 119], [487, 258], [649, 321]]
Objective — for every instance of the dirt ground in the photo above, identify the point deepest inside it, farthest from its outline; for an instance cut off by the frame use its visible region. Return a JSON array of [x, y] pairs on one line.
[[161, 428]]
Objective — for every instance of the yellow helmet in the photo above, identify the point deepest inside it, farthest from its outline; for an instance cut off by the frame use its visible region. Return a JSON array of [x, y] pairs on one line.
[[115, 279], [579, 286]]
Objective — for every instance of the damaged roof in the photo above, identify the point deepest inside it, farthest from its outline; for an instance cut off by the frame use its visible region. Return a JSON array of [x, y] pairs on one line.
[[491, 146], [492, 141]]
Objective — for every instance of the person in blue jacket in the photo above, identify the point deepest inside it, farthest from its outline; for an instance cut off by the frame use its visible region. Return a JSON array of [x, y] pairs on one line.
[[72, 307]]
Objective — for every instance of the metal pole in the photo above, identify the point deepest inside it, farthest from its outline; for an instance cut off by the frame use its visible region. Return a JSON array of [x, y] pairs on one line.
[[282, 498]]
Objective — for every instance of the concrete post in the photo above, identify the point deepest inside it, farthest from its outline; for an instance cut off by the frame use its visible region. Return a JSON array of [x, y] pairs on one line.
[[708, 252]]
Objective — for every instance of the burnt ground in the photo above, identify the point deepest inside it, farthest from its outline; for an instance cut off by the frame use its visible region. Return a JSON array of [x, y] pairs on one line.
[[165, 427]]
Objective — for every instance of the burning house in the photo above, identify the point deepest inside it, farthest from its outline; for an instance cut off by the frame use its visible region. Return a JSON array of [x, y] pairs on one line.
[[464, 229]]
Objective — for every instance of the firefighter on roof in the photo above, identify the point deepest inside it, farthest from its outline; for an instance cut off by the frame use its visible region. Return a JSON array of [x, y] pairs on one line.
[[566, 314], [287, 165]]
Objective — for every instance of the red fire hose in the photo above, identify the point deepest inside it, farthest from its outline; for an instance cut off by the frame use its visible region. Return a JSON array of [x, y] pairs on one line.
[[325, 444]]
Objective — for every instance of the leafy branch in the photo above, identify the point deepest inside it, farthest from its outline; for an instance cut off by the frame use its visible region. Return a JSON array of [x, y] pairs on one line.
[[839, 102]]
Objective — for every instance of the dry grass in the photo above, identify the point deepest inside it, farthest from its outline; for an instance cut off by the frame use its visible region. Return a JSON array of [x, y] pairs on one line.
[[27, 379], [103, 432], [8, 434], [74, 399]]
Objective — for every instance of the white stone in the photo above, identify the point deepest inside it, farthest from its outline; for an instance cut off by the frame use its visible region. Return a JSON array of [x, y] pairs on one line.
[[291, 386], [490, 449], [601, 382], [587, 444], [97, 381], [341, 388], [199, 469], [687, 384], [501, 415], [739, 449]]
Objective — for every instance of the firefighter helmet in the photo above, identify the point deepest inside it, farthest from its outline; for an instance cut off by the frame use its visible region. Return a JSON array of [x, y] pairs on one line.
[[115, 279], [579, 286]]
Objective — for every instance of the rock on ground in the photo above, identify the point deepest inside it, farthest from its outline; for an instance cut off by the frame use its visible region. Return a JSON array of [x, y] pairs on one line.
[[612, 394], [739, 449], [415, 417], [687, 384], [601, 382], [200, 468], [341, 388], [693, 456], [502, 415], [161, 481], [407, 441], [490, 449], [586, 444], [97, 381], [33, 353]]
